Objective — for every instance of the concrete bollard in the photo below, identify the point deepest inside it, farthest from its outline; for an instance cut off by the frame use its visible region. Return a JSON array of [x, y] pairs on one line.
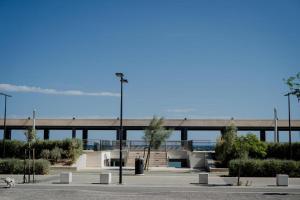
[[66, 177], [105, 178], [282, 180], [203, 178]]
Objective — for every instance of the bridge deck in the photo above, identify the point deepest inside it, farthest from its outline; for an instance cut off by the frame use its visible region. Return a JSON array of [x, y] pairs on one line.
[[139, 124]]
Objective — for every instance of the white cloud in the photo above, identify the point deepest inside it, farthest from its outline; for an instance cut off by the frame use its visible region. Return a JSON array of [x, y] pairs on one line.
[[24, 88], [181, 110]]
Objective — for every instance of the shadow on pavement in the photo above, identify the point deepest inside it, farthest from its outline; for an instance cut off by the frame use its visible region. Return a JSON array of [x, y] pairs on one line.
[[275, 193], [211, 185]]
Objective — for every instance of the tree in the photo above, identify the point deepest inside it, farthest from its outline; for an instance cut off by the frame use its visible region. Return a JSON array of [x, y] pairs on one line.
[[248, 145], [225, 144], [155, 135], [30, 135], [241, 148], [293, 83], [230, 146], [255, 147]]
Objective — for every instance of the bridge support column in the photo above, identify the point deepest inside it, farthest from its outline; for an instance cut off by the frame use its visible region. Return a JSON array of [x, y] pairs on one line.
[[262, 135], [7, 134], [184, 138], [85, 138], [73, 133], [222, 132], [124, 134], [46, 134], [184, 134]]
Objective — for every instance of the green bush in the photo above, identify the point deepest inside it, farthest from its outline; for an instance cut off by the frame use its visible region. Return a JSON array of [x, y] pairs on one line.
[[71, 148], [45, 154], [42, 166], [55, 154], [13, 148], [225, 145], [230, 146], [256, 148], [16, 166], [264, 168], [281, 150]]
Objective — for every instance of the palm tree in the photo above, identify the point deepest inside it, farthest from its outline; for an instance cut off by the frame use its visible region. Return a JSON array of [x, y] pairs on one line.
[[155, 135]]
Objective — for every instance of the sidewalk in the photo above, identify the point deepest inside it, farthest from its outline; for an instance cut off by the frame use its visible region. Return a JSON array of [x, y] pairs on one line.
[[158, 179]]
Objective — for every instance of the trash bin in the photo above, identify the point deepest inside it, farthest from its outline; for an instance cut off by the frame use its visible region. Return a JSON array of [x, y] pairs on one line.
[[139, 166]]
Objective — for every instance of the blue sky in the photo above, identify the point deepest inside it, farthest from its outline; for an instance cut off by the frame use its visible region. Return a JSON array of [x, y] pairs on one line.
[[194, 59]]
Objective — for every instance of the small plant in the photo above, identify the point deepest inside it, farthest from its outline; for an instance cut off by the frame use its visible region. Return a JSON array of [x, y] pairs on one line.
[[45, 154], [55, 154], [42, 166]]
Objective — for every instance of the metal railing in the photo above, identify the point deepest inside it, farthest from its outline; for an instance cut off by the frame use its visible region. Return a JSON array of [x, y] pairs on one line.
[[140, 145]]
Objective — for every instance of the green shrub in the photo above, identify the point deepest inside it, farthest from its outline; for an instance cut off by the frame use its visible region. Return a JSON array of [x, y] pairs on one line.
[[256, 148], [11, 166], [16, 166], [42, 166], [225, 145], [264, 168], [55, 154], [45, 154], [71, 148], [40, 145], [230, 146], [271, 167], [13, 149], [281, 150]]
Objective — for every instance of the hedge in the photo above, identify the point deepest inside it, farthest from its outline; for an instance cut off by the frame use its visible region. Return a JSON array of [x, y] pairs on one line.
[[281, 150], [264, 168], [16, 166], [13, 148], [72, 148]]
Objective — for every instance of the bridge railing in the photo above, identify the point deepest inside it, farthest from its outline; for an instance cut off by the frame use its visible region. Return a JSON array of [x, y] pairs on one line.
[[135, 145]]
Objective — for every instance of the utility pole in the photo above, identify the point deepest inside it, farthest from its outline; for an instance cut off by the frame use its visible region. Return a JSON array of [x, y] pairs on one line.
[[276, 136], [122, 80]]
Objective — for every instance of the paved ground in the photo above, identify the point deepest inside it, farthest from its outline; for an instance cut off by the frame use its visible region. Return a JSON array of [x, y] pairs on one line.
[[154, 185], [91, 192]]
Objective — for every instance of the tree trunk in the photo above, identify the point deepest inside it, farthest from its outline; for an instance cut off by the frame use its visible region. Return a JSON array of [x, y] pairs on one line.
[[146, 167], [147, 159], [239, 173]]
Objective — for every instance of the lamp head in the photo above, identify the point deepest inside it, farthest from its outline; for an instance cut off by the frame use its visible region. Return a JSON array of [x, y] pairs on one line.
[[119, 74], [296, 91], [6, 95]]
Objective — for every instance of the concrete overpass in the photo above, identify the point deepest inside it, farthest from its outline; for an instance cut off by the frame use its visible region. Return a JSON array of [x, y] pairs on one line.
[[183, 125]]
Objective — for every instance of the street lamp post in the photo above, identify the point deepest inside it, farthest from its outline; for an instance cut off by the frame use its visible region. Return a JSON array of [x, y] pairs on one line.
[[290, 129], [4, 125], [122, 80]]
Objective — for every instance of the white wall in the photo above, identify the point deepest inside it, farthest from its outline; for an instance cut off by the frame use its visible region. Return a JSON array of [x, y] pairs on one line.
[[177, 154], [80, 162], [197, 159]]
